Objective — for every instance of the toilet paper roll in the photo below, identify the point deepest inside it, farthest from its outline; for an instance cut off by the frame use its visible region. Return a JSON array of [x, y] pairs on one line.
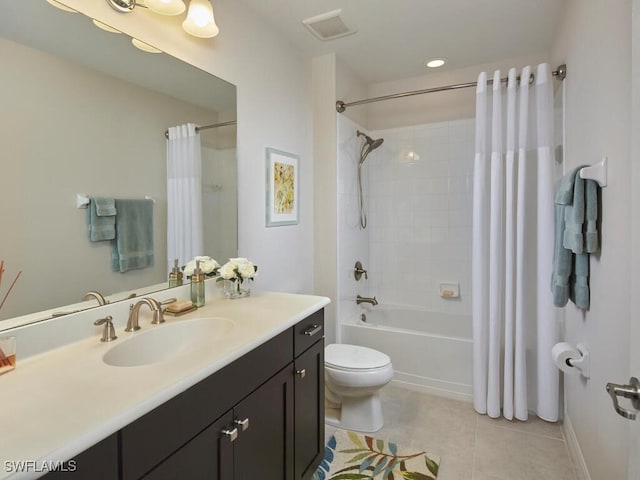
[[561, 353]]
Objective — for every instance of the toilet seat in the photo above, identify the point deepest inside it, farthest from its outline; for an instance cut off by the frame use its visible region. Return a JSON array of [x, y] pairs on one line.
[[354, 358]]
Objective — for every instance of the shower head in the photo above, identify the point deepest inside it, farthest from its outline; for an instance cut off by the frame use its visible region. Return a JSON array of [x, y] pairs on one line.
[[371, 143]]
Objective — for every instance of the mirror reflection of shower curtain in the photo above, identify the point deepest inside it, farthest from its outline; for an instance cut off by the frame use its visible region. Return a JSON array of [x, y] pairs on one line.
[[184, 194], [514, 320]]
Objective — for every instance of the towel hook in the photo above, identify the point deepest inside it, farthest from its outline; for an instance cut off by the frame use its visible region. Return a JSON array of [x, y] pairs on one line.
[[597, 172]]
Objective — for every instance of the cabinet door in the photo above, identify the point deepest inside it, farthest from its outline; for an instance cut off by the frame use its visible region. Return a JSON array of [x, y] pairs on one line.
[[209, 456], [97, 462], [309, 411], [264, 448]]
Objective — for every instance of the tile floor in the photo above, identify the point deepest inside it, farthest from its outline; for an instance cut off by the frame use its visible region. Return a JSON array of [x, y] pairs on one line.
[[472, 446]]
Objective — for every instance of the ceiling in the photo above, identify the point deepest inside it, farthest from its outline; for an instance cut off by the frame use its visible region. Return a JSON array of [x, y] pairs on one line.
[[395, 37]]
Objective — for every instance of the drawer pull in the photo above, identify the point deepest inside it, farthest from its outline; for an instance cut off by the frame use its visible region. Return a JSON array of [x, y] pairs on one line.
[[243, 424], [301, 373], [230, 433], [312, 330]]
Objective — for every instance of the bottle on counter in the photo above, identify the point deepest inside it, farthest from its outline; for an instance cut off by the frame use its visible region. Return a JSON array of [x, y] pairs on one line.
[[175, 277], [197, 286]]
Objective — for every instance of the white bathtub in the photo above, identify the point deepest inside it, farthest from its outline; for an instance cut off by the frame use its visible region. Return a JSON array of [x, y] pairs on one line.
[[430, 352]]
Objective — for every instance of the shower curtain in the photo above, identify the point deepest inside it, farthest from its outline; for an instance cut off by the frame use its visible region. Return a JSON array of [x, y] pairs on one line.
[[184, 194], [514, 320]]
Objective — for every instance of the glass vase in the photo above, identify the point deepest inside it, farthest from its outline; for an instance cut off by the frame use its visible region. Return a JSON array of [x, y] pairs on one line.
[[237, 289]]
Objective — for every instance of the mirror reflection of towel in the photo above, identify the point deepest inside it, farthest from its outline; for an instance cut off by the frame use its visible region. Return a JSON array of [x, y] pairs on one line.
[[102, 219], [133, 246]]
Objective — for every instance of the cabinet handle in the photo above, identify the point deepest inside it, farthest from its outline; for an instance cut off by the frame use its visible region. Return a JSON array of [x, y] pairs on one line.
[[231, 434], [244, 424], [301, 373], [312, 330]]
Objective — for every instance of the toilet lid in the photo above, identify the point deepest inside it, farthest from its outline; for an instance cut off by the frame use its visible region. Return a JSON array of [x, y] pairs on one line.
[[354, 356]]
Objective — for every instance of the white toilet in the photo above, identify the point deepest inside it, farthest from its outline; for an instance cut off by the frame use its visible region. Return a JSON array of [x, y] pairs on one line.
[[353, 377]]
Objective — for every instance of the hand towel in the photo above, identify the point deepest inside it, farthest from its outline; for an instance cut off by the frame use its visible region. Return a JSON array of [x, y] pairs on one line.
[[102, 219], [580, 285], [574, 218], [562, 261], [133, 245], [591, 244]]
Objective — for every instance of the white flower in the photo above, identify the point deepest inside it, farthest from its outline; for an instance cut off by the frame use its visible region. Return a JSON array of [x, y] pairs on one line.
[[238, 268], [208, 266], [228, 271], [247, 270]]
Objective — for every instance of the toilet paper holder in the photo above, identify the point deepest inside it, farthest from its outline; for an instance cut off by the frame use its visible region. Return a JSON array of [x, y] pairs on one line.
[[582, 363]]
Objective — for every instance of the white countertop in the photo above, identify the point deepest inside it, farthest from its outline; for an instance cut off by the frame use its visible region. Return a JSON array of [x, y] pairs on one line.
[[58, 403]]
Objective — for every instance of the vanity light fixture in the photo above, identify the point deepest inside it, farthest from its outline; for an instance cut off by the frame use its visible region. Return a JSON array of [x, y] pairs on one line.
[[200, 21]]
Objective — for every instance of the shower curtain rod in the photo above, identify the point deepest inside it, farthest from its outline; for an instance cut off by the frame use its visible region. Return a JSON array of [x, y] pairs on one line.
[[560, 73], [206, 127]]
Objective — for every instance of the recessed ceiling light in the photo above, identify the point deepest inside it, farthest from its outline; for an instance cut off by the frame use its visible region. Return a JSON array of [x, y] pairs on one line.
[[436, 62]]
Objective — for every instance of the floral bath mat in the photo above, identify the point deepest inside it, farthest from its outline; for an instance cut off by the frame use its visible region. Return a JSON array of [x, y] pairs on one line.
[[351, 456]]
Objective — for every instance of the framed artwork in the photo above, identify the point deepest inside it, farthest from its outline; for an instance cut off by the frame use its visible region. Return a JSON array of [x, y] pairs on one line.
[[283, 188]]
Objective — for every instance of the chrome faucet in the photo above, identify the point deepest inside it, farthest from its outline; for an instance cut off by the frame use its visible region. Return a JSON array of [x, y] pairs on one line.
[[97, 295], [372, 300], [134, 310]]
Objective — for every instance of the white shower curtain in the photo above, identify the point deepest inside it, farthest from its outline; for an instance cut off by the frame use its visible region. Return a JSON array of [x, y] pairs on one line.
[[514, 320], [184, 194]]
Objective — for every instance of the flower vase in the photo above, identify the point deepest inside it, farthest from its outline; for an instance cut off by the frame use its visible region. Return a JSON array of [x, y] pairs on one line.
[[237, 289]]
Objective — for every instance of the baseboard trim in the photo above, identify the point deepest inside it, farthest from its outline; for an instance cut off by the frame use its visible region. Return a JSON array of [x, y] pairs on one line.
[[575, 453]]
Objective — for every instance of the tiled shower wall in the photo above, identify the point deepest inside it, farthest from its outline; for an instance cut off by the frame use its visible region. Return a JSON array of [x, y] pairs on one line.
[[353, 242], [419, 195]]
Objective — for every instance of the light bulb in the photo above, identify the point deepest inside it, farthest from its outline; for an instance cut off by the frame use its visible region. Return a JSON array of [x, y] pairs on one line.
[[166, 7], [200, 21]]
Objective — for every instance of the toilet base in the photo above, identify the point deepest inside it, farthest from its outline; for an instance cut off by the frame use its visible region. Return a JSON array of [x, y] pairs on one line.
[[362, 414]]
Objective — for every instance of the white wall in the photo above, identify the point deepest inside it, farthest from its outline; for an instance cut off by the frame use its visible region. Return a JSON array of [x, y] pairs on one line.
[[274, 110], [595, 43]]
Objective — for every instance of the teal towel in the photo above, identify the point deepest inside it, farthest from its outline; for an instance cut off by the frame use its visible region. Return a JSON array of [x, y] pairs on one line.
[[133, 246], [562, 261], [580, 281], [575, 237], [591, 243], [102, 219], [574, 218]]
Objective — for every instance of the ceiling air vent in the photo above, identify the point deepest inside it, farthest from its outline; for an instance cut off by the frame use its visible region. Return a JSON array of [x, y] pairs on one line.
[[328, 26]]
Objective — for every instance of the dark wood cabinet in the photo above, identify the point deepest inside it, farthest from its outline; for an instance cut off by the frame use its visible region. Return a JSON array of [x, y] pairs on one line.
[[262, 416], [100, 462], [309, 411], [265, 449], [208, 456]]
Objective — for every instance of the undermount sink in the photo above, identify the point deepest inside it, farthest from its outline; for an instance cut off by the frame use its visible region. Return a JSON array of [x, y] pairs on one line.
[[158, 343]]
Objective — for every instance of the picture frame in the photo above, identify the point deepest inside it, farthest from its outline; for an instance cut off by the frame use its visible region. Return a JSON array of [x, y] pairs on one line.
[[283, 188]]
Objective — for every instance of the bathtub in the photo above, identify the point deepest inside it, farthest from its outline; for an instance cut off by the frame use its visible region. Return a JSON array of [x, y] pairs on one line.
[[430, 352]]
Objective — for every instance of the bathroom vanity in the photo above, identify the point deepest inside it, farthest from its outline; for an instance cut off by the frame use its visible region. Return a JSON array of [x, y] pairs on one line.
[[254, 409]]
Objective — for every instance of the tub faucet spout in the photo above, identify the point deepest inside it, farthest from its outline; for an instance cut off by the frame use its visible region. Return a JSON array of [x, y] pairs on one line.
[[371, 300]]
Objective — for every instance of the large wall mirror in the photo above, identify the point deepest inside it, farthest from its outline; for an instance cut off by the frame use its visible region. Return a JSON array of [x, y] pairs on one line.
[[82, 111]]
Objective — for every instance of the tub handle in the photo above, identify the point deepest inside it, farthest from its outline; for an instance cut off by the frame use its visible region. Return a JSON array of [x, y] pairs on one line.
[[312, 330]]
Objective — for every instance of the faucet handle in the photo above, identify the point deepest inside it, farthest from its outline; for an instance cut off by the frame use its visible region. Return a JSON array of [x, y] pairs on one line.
[[358, 271], [108, 332]]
